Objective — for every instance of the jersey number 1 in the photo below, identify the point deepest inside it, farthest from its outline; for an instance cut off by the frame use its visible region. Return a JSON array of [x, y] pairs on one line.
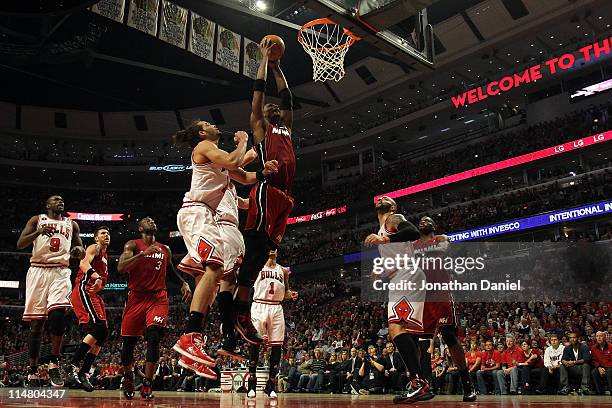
[[271, 291], [54, 244]]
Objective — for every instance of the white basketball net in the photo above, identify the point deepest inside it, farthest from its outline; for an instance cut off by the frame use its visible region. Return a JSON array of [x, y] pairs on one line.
[[327, 43]]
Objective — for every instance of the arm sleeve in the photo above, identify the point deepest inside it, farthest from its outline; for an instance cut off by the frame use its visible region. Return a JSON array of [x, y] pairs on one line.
[[406, 232]]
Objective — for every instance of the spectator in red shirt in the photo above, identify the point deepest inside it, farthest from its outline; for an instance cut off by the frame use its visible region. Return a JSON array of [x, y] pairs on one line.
[[490, 364], [510, 358], [473, 360], [528, 367], [601, 353]]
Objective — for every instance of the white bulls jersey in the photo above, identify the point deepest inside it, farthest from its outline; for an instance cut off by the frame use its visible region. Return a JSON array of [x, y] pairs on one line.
[[208, 184], [54, 250], [270, 285], [227, 210]]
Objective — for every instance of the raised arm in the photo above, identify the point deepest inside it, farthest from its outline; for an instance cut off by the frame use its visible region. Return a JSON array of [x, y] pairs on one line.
[[258, 126], [230, 161], [249, 157], [90, 254], [284, 93], [251, 177]]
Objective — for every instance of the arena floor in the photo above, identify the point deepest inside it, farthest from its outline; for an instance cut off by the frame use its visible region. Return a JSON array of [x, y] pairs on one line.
[[113, 399]]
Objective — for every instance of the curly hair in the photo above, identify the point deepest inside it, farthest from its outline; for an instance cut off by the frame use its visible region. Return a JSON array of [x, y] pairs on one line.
[[189, 136]]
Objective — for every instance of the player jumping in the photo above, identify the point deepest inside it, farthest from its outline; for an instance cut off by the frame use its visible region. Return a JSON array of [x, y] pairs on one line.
[[55, 240], [270, 201], [271, 288], [145, 262], [89, 307], [197, 222]]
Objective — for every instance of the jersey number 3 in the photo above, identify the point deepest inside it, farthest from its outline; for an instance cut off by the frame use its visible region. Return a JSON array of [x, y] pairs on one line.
[[54, 244]]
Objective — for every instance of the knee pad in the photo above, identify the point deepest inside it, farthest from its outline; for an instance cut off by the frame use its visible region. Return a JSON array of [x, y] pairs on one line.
[[449, 335], [99, 332], [153, 335], [127, 351], [56, 321]]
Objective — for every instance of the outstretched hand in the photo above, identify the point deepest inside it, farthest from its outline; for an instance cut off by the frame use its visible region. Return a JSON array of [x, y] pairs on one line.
[[266, 48]]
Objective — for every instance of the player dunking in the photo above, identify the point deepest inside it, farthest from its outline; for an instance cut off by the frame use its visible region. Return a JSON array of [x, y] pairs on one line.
[[271, 288], [89, 307], [55, 239], [145, 261], [270, 201], [198, 225]]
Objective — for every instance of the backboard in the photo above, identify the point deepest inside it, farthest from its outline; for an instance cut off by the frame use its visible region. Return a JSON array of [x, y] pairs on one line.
[[398, 27]]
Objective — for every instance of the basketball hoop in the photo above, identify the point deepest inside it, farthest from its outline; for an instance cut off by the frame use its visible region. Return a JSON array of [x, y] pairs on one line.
[[327, 43]]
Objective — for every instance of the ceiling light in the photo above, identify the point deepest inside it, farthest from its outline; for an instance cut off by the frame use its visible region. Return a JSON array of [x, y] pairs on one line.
[[445, 130], [260, 5], [468, 121], [552, 37]]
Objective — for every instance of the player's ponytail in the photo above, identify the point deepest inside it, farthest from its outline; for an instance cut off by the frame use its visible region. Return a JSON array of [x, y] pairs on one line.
[[189, 136]]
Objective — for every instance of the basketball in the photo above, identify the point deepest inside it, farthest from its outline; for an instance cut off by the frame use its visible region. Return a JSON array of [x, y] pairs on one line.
[[278, 49]]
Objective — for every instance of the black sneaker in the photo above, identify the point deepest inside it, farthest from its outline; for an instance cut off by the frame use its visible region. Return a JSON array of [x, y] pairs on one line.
[[146, 391], [564, 391], [252, 390], [270, 389], [128, 385], [72, 375], [228, 348], [244, 326], [55, 377], [84, 381], [417, 390], [469, 393]]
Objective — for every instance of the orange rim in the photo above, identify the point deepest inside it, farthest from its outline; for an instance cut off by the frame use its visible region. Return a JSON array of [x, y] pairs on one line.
[[351, 40]]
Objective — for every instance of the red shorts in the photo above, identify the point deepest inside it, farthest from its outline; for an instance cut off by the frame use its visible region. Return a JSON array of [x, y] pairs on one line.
[[438, 314], [269, 209], [144, 309], [88, 307]]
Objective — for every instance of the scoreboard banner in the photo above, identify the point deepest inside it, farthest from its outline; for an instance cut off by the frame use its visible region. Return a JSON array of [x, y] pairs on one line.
[[97, 217]]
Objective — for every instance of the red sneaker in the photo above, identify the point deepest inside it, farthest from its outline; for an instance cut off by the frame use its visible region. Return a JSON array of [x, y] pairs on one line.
[[200, 369], [417, 390], [191, 345]]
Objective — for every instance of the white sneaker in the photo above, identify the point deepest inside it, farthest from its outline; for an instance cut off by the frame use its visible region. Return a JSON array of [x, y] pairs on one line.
[[273, 394], [251, 394]]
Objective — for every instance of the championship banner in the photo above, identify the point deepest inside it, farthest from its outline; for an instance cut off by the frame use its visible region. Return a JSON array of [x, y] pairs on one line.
[[143, 15], [252, 58], [112, 9], [173, 24], [202, 36], [228, 49]]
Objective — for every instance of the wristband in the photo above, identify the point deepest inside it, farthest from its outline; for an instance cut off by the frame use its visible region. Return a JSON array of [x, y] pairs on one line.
[[260, 176], [90, 272], [259, 85]]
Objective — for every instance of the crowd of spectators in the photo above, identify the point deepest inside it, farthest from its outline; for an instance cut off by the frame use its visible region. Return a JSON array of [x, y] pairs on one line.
[[338, 343]]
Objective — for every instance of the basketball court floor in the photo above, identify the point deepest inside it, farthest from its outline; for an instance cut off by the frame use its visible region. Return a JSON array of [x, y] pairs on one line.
[[114, 399]]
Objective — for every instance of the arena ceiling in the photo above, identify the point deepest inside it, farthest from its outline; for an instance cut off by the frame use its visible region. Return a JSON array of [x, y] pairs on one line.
[[81, 60]]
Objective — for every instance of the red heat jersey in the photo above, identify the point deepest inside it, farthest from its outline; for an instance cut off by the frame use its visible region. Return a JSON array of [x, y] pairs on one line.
[[277, 145], [149, 273], [99, 264]]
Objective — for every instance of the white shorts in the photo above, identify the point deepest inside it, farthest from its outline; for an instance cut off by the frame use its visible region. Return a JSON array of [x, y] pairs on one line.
[[233, 249], [407, 309], [269, 320], [46, 289], [233, 252], [201, 234]]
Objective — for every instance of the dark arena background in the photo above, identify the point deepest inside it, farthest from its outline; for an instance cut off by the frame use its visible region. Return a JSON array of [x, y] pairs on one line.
[[491, 117]]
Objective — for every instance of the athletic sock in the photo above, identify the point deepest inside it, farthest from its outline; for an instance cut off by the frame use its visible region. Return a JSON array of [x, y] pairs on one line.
[[194, 324], [80, 354], [253, 360], [466, 381], [226, 308], [87, 362], [408, 350]]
